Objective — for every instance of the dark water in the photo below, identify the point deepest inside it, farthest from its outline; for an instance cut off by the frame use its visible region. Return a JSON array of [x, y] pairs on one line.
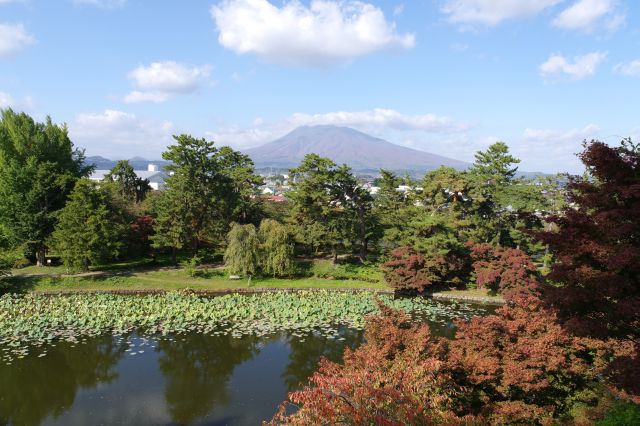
[[183, 379], [187, 379]]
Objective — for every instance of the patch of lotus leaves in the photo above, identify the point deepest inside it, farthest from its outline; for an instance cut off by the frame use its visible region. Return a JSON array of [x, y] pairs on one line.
[[28, 321]]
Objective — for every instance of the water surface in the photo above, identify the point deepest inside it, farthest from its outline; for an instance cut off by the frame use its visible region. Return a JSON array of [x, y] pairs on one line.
[[192, 378]]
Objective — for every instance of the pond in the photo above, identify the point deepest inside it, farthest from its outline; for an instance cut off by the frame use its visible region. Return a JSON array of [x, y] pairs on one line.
[[184, 377]]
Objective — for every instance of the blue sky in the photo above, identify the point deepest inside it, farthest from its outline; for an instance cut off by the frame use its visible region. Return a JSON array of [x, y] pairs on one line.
[[445, 76]]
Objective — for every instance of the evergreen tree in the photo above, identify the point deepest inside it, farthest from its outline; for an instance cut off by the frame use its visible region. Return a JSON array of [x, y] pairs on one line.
[[242, 253], [389, 206], [492, 173], [207, 189], [276, 248], [330, 207], [89, 228], [38, 169], [126, 183]]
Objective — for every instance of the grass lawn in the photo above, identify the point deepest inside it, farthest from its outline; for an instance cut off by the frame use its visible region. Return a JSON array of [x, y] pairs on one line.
[[174, 279]]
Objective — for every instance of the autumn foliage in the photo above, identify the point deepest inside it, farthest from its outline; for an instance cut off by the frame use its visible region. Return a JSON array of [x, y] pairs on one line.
[[517, 366], [400, 376], [597, 249], [557, 353], [410, 270], [507, 271]]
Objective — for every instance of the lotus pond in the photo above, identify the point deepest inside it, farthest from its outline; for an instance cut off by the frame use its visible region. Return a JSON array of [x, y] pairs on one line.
[[177, 358]]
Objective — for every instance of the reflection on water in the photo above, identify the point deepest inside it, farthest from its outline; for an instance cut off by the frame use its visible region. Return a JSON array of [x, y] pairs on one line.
[[34, 388], [185, 379], [180, 379]]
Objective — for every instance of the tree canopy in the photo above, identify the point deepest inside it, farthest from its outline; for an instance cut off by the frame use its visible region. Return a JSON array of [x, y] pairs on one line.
[[39, 166]]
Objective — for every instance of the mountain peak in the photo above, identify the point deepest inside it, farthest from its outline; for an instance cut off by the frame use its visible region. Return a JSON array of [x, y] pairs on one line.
[[345, 145]]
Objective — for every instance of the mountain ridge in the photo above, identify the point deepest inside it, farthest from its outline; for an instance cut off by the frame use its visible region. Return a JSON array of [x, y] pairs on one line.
[[345, 145]]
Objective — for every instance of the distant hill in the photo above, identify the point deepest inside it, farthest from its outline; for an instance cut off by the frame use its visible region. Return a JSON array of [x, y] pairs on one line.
[[346, 146], [138, 163]]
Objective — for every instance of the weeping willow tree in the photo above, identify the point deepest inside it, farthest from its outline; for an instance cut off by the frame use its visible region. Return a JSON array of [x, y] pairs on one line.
[[276, 249], [241, 256]]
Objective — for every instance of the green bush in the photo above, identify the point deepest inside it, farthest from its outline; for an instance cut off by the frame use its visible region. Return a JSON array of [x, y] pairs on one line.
[[191, 265], [364, 272], [21, 263], [621, 414]]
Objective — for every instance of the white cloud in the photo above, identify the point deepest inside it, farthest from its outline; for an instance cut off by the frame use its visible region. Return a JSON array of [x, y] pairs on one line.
[[117, 133], [324, 33], [554, 136], [631, 69], [8, 101], [160, 80], [103, 4], [588, 14], [380, 117], [579, 68], [554, 150], [493, 12], [13, 37], [378, 122]]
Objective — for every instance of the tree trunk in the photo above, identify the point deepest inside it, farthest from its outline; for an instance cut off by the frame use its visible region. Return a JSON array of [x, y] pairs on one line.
[[174, 261], [364, 248], [335, 254], [41, 257], [363, 234]]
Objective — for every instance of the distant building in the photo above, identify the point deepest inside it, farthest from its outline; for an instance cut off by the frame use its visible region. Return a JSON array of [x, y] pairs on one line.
[[153, 174], [277, 198]]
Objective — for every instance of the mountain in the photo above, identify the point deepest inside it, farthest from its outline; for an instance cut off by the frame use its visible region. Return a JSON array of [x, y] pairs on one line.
[[138, 163], [345, 145]]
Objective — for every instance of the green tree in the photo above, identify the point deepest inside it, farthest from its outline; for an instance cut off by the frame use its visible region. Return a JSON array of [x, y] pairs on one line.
[[492, 173], [126, 183], [38, 169], [276, 248], [89, 228], [313, 208], [330, 207], [242, 253], [206, 190], [389, 205], [358, 203]]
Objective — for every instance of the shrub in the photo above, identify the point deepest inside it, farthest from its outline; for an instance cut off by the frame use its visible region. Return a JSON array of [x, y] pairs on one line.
[[518, 364], [504, 270], [191, 265], [397, 377], [515, 367], [409, 270], [362, 272]]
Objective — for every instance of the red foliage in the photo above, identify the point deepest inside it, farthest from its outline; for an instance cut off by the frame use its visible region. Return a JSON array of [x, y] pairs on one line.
[[410, 270], [518, 364], [597, 248], [399, 377], [504, 270]]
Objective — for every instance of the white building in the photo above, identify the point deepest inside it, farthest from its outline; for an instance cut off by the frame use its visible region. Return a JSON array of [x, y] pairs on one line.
[[153, 174]]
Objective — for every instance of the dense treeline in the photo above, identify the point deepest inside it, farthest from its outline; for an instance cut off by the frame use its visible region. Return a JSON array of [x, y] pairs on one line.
[[51, 206]]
